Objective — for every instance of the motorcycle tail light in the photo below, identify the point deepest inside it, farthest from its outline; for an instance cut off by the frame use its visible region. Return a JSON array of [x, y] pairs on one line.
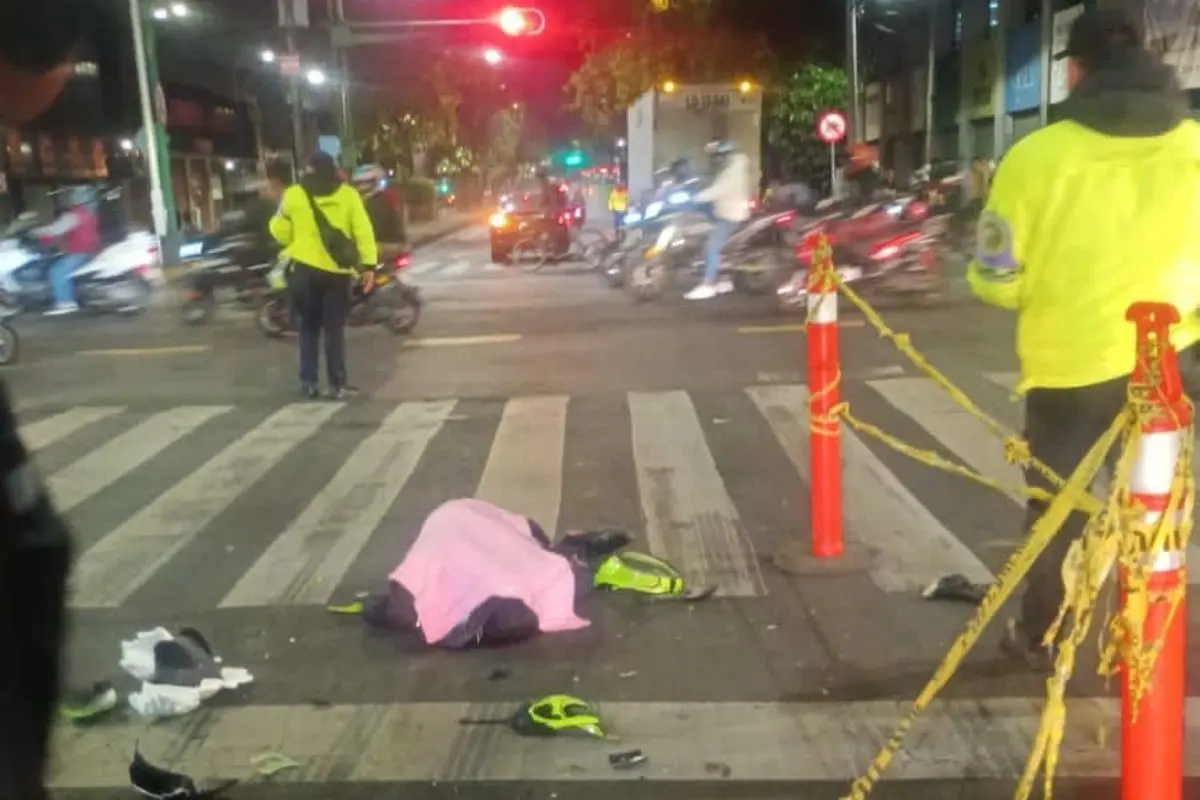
[[892, 247], [403, 261]]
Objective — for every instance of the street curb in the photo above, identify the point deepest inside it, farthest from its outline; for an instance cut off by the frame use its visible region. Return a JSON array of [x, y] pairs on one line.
[[175, 272]]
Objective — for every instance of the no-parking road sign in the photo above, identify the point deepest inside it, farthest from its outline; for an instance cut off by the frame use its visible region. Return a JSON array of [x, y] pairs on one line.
[[831, 127]]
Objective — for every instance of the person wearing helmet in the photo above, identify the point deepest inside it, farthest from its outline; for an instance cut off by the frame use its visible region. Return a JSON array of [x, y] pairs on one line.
[[76, 231], [864, 180], [371, 181], [729, 195]]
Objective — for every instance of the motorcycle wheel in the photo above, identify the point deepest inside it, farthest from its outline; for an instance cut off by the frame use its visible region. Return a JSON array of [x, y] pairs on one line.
[[646, 281], [404, 316], [10, 344], [766, 280], [272, 316], [529, 255], [141, 295], [199, 310]]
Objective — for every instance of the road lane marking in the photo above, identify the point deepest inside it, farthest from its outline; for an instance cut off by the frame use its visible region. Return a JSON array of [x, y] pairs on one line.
[[148, 351], [463, 341], [119, 564], [118, 457], [800, 743], [304, 564], [691, 521], [46, 432], [910, 542], [794, 327], [966, 437], [524, 471]]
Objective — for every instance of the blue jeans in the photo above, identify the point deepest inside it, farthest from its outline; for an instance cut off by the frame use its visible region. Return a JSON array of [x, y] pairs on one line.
[[717, 237], [61, 284]]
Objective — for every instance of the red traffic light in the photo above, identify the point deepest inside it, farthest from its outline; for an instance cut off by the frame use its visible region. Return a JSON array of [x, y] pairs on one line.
[[521, 21]]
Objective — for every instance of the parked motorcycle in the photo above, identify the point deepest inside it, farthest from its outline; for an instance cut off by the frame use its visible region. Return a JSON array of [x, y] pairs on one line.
[[236, 264], [756, 257], [121, 278], [391, 303]]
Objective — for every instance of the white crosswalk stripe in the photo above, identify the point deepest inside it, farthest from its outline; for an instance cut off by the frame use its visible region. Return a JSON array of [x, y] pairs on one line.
[[690, 512]]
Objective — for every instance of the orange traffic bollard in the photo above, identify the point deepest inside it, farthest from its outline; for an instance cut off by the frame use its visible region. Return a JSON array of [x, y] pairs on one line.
[[824, 372], [1152, 727]]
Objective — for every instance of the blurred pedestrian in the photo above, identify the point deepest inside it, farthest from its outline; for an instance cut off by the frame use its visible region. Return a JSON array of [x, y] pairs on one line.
[[618, 205]]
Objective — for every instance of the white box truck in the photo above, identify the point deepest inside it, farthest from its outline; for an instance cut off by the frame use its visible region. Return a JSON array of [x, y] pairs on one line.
[[677, 120]]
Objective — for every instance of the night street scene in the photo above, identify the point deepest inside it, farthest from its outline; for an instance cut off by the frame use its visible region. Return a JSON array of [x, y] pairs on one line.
[[663, 399]]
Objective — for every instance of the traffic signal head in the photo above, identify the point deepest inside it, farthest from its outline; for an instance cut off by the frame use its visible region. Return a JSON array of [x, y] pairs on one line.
[[520, 21]]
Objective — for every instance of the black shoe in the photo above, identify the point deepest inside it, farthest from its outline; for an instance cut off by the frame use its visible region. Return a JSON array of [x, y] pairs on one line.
[[1016, 645], [309, 391], [342, 393]]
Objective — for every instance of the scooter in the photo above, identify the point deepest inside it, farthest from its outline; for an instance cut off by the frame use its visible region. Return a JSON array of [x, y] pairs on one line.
[[755, 258], [121, 278], [234, 263], [391, 303]]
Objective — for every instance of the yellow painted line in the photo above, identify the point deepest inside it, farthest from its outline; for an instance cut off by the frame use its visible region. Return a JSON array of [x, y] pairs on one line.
[[463, 341], [797, 327], [148, 351]]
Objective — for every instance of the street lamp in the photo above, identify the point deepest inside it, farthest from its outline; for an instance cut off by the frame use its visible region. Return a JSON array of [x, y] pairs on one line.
[[180, 10], [266, 56], [126, 145], [493, 56], [161, 13], [315, 77]]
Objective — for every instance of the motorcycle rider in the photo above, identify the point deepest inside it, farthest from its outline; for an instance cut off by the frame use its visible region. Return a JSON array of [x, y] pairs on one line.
[[864, 180], [371, 181], [729, 194], [77, 231]]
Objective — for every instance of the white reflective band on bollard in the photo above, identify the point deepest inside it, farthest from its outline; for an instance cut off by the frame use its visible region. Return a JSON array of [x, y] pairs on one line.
[[1168, 561], [822, 308], [1154, 466]]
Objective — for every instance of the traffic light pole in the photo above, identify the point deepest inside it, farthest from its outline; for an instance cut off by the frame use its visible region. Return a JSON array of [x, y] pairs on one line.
[[156, 153]]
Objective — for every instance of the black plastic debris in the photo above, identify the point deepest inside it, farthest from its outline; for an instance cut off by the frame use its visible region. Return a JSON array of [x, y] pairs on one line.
[[627, 759], [162, 784], [957, 588]]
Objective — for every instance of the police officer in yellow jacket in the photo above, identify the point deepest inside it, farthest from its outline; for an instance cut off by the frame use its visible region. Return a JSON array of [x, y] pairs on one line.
[[320, 284], [1084, 218]]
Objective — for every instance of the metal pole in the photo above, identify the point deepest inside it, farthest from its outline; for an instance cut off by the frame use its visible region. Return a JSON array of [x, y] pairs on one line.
[[832, 169], [158, 207], [1047, 66], [297, 112], [930, 78], [856, 112], [346, 128]]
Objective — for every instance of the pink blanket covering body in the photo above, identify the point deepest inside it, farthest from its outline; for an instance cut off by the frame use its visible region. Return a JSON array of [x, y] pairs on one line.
[[469, 551]]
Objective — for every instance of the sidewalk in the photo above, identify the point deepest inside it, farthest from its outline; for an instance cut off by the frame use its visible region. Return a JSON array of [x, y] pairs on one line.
[[419, 235]]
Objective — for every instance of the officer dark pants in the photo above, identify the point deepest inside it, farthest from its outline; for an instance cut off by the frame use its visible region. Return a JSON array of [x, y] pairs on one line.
[[323, 301], [1061, 425]]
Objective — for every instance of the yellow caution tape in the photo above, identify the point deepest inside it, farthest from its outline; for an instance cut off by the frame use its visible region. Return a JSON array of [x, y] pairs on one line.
[[1116, 535]]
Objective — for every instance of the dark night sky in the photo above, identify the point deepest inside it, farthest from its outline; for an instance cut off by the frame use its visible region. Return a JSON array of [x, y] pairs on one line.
[[540, 65]]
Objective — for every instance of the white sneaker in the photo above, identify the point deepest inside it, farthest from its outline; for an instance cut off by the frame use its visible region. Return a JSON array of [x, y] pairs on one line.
[[724, 286], [58, 311], [704, 291]]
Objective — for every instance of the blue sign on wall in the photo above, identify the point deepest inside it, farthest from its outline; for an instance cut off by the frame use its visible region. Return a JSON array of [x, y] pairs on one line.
[[1023, 85]]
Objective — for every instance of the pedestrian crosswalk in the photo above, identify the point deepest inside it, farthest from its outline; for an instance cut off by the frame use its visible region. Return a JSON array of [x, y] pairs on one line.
[[323, 490]]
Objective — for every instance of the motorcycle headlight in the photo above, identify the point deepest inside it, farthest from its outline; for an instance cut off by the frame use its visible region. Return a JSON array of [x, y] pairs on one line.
[[677, 198], [653, 209], [632, 218], [191, 249]]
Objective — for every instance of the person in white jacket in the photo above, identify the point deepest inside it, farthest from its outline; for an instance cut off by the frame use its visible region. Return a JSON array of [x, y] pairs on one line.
[[729, 195]]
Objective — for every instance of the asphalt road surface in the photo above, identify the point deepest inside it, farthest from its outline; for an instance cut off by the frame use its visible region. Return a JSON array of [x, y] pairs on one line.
[[203, 492]]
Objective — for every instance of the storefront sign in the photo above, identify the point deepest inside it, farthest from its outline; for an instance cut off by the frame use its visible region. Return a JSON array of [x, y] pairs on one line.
[[981, 73], [1023, 84], [1173, 30]]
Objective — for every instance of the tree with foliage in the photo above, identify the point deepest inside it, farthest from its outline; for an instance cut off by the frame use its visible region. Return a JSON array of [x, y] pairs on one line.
[[613, 76], [795, 103]]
